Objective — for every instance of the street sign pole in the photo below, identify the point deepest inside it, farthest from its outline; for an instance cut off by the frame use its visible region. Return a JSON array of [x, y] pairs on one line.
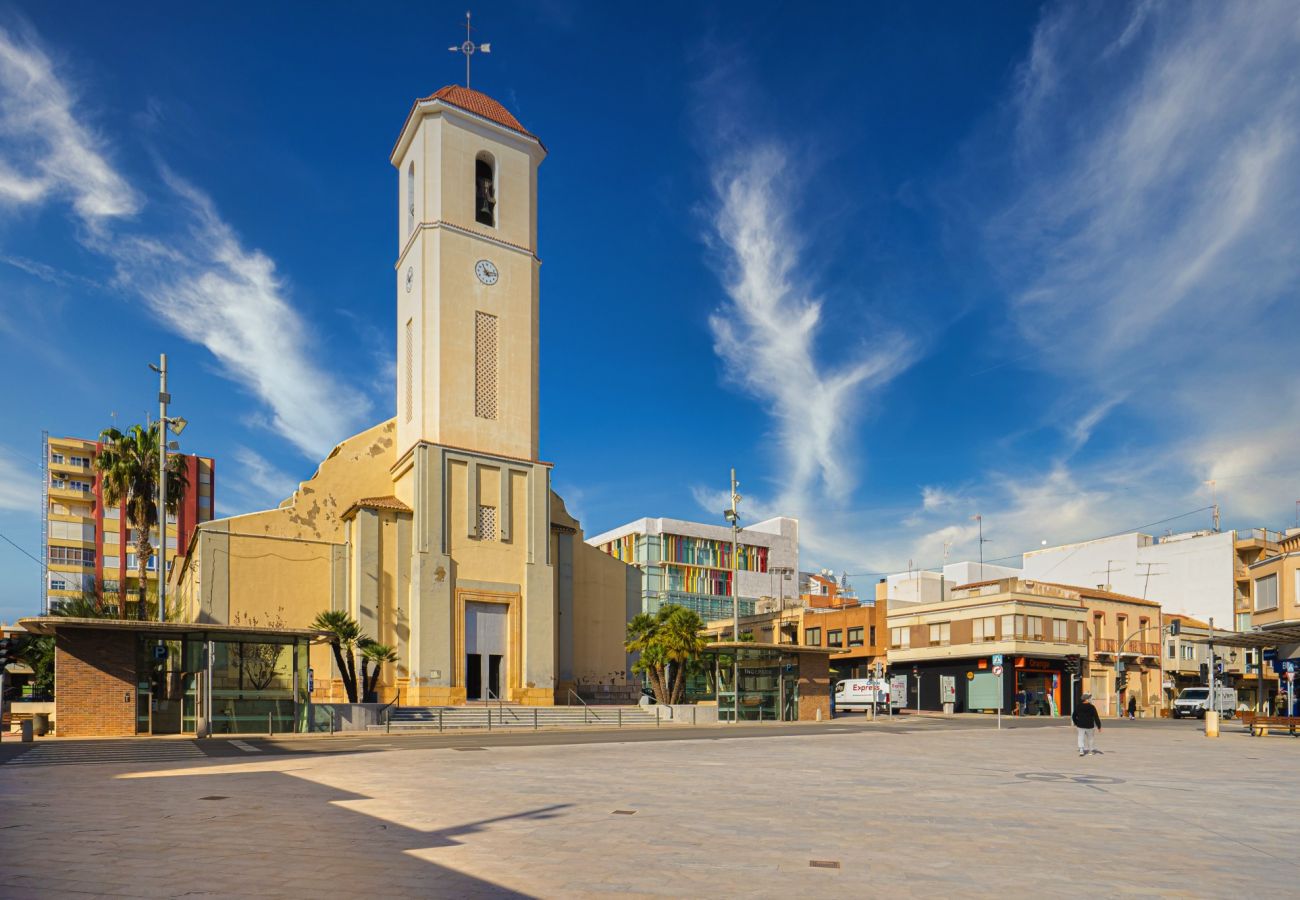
[[1002, 694]]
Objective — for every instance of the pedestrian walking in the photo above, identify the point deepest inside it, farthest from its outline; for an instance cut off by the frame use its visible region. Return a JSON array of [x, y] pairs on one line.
[[1133, 706], [1087, 722]]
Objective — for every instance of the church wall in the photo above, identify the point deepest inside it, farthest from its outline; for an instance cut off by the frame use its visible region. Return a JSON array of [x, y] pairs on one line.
[[515, 174], [289, 561], [606, 594]]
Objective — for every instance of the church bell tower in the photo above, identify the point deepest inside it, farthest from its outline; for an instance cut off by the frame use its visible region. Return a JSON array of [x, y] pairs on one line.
[[479, 602]]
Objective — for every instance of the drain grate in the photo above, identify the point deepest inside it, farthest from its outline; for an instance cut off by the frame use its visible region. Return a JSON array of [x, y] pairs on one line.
[[215, 797], [823, 864], [624, 812]]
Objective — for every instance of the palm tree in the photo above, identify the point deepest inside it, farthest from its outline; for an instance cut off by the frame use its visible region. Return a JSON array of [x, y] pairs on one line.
[[377, 653], [670, 644], [128, 471], [345, 637]]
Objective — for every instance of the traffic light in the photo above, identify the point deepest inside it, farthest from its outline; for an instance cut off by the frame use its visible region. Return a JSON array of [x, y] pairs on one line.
[[1122, 683], [1175, 627], [1205, 672], [1072, 664], [8, 651], [916, 671]]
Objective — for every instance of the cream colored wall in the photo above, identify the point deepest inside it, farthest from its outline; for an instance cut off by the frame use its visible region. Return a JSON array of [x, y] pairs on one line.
[[288, 561], [600, 614], [479, 560]]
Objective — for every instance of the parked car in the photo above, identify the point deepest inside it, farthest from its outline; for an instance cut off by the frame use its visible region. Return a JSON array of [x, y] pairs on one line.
[[1194, 701]]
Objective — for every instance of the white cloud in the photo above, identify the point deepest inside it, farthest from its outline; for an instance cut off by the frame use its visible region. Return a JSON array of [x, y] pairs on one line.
[[20, 484], [262, 481], [767, 334], [212, 290], [198, 278], [47, 150]]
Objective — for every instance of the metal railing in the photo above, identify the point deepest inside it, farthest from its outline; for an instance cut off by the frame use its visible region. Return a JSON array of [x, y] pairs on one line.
[[587, 713], [1104, 645], [387, 710]]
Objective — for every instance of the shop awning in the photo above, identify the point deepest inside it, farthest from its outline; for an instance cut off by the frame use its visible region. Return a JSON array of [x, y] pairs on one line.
[[1259, 638]]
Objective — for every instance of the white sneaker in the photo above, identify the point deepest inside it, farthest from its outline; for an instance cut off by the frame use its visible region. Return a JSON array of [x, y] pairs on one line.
[[1083, 752]]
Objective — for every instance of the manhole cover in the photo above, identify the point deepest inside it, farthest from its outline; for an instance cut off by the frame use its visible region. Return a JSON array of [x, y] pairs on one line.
[[823, 864]]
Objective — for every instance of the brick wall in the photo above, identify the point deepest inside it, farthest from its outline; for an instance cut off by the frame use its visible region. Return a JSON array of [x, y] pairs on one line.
[[94, 683], [814, 686]]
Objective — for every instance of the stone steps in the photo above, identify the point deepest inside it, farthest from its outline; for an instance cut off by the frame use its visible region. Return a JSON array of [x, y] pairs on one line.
[[423, 718]]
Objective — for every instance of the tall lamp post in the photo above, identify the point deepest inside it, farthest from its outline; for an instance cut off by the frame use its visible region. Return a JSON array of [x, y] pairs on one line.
[[176, 425], [733, 518], [1119, 711]]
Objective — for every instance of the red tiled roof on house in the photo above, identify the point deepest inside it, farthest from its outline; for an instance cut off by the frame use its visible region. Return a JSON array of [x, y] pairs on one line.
[[479, 104]]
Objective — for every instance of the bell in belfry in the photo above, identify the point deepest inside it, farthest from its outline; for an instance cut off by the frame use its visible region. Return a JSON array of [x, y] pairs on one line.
[[487, 195]]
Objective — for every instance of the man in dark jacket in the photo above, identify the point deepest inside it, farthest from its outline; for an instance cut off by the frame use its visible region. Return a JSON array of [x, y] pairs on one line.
[[1087, 722]]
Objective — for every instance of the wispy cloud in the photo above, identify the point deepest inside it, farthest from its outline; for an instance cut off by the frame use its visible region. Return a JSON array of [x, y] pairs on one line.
[[199, 279], [217, 293], [260, 480], [49, 151], [768, 331], [20, 484]]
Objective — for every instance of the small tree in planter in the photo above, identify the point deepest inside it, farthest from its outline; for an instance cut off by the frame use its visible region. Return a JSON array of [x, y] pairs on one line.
[[345, 639], [378, 654]]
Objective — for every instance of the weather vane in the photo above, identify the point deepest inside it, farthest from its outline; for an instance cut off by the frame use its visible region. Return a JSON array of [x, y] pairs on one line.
[[469, 48]]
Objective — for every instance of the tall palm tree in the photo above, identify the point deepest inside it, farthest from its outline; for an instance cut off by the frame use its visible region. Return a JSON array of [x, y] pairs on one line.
[[128, 471], [345, 639]]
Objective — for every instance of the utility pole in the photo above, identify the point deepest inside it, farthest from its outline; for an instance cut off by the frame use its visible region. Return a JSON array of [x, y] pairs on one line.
[[163, 399], [1214, 500], [1212, 711], [979, 519], [733, 517]]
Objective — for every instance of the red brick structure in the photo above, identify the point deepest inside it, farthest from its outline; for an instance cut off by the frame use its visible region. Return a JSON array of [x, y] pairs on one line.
[[814, 686], [95, 673]]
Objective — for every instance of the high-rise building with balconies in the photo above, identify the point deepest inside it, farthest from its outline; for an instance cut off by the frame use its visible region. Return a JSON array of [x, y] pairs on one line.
[[90, 546]]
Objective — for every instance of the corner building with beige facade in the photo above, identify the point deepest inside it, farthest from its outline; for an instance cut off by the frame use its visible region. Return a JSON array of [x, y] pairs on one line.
[[438, 529]]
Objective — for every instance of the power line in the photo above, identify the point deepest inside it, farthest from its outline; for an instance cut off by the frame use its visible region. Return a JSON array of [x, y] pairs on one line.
[[40, 562]]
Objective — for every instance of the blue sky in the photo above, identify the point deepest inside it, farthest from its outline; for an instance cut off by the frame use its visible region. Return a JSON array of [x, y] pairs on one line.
[[899, 264]]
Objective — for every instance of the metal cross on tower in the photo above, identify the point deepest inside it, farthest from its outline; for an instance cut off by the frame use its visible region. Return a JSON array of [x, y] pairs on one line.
[[469, 48]]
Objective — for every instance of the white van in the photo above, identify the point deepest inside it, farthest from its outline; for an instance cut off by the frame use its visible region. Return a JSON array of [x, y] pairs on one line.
[[1194, 701], [861, 694]]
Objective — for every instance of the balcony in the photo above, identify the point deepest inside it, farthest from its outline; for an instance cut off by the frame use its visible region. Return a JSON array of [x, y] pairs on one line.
[[1104, 646]]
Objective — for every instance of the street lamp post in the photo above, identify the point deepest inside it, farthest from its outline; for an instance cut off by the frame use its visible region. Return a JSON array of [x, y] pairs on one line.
[[733, 518], [1119, 711], [176, 426]]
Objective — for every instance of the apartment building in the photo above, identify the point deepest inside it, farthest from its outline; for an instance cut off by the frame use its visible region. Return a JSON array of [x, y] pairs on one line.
[[948, 648], [90, 546], [1187, 661], [689, 563]]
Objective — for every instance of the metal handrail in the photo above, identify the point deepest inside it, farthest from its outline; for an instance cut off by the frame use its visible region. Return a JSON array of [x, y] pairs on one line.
[[386, 710], [501, 707], [586, 709]]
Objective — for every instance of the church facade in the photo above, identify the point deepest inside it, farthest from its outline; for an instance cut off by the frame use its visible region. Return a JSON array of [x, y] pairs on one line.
[[438, 529]]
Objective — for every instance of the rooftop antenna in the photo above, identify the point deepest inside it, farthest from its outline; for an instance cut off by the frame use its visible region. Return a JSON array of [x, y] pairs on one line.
[[1214, 500], [469, 48]]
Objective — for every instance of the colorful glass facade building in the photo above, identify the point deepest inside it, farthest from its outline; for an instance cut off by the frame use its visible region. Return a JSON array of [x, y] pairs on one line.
[[689, 563]]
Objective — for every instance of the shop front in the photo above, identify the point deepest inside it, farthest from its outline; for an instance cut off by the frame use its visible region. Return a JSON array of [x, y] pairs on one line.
[[1027, 685]]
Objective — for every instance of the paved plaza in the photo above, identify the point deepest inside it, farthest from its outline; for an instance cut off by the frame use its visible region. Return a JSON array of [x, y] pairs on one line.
[[917, 808]]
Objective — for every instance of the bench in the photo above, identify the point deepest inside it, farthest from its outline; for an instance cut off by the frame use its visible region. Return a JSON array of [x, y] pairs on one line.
[[1259, 725]]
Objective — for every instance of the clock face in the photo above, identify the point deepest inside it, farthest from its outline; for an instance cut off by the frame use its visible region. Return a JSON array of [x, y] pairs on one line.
[[410, 279], [486, 271]]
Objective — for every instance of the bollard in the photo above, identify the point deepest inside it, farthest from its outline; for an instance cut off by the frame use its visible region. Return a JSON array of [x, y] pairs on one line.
[[1211, 723], [26, 727], [331, 721], [534, 718], [819, 714], [692, 715], [620, 717], [269, 731], [657, 716], [489, 710], [440, 721], [388, 722]]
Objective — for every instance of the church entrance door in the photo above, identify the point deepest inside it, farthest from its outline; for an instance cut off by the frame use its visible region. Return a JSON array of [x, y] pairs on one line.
[[485, 650]]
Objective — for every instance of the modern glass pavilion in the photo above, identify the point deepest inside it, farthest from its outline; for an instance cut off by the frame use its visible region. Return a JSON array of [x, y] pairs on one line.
[[122, 677]]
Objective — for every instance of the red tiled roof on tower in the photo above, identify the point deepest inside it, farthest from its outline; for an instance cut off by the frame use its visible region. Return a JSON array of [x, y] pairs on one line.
[[479, 104]]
